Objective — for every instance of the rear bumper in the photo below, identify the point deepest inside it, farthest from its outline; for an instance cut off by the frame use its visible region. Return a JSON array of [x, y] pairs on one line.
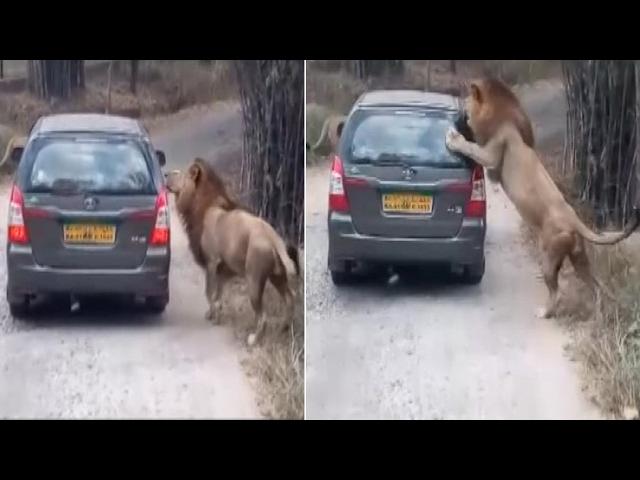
[[27, 277], [466, 248]]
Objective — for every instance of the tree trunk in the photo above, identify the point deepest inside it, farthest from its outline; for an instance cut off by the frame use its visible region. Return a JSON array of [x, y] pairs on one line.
[[272, 168], [603, 135], [452, 66], [133, 81], [363, 69], [107, 108], [55, 78], [1, 69]]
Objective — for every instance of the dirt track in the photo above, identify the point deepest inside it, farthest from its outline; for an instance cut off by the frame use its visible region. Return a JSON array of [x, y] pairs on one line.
[[114, 362], [431, 348]]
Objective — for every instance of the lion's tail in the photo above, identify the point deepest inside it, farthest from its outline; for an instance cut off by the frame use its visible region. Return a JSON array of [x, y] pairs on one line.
[[323, 135], [288, 256], [607, 238]]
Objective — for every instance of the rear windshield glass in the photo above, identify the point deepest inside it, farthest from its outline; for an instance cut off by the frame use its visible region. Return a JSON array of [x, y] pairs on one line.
[[87, 165], [411, 137]]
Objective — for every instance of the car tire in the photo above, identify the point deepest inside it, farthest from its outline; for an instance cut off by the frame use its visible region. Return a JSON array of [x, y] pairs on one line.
[[157, 305], [473, 273], [340, 277], [19, 308]]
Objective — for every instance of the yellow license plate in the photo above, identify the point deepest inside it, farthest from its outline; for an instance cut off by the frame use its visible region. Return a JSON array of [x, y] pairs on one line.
[[407, 203], [80, 233]]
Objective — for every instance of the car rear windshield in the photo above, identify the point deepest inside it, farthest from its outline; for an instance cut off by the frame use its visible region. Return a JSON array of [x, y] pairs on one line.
[[413, 137], [77, 165]]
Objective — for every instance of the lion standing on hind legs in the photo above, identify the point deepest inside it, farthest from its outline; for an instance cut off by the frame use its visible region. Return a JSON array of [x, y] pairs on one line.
[[227, 240], [493, 113]]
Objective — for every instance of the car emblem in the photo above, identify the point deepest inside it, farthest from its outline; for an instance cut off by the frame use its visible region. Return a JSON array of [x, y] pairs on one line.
[[90, 203], [408, 173]]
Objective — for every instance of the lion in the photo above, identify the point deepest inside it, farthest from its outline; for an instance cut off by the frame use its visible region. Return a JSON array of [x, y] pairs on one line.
[[14, 145], [493, 116], [331, 128], [507, 108], [226, 241]]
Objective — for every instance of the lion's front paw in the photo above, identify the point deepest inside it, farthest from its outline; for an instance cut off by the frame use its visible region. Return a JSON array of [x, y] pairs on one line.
[[453, 139]]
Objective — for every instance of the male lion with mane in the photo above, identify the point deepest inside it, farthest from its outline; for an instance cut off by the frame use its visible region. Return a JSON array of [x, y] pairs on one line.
[[493, 115], [226, 240]]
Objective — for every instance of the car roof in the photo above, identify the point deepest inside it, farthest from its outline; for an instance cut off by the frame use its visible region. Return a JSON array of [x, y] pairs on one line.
[[88, 123], [380, 98]]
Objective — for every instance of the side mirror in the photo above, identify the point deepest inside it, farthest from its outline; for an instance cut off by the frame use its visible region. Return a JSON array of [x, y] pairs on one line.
[[162, 159]]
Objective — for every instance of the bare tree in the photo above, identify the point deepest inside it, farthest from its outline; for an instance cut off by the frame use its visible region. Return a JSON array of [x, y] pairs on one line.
[[55, 78], [603, 140], [107, 108], [133, 79], [272, 169], [364, 69], [452, 66], [1, 69]]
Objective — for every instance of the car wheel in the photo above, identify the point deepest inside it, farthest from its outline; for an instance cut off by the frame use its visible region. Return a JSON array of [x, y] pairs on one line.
[[339, 277], [19, 308], [473, 273], [157, 304]]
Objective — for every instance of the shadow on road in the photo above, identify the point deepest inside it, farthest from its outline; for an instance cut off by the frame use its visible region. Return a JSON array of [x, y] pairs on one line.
[[102, 311], [408, 281]]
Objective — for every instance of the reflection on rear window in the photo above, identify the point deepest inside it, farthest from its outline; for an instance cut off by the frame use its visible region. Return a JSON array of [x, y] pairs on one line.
[[413, 137], [90, 166]]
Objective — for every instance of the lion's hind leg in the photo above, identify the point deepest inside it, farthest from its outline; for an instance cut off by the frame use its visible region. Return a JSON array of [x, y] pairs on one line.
[[582, 267], [256, 291], [281, 283], [555, 249]]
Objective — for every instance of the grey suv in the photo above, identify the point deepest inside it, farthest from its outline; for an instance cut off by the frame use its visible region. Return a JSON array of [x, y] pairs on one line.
[[398, 195], [88, 212]]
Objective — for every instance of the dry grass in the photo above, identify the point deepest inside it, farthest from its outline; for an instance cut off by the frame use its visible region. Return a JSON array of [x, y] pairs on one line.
[[276, 365], [605, 334], [337, 89], [608, 343], [518, 72], [163, 87]]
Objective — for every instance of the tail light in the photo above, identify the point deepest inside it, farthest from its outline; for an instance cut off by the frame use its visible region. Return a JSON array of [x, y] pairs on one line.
[[17, 232], [337, 197], [161, 230], [477, 204]]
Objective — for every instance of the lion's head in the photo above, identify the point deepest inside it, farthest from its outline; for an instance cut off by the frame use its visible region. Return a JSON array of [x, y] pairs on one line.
[[198, 186], [196, 190], [491, 103]]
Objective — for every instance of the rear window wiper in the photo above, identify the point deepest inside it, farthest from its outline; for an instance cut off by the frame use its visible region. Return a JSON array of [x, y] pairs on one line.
[[361, 160], [388, 159], [65, 186]]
